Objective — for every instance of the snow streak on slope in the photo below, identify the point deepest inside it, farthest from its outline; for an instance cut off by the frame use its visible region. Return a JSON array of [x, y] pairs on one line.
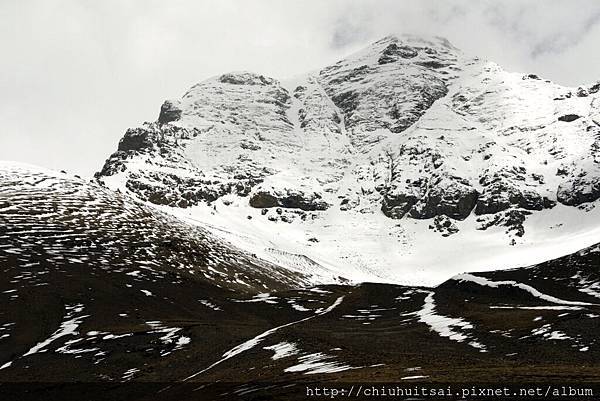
[[253, 342], [452, 328], [494, 284]]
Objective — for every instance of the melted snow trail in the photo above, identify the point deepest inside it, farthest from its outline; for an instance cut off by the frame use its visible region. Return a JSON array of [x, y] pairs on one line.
[[446, 326], [67, 328], [256, 340], [494, 284]]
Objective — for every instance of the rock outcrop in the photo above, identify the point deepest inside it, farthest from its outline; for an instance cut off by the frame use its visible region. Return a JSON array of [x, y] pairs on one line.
[[263, 198]]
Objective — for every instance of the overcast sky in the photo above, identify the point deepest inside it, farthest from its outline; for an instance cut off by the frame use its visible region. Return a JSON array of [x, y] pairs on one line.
[[74, 74]]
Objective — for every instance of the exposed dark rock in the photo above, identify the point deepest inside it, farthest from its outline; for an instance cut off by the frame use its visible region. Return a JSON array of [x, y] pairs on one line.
[[152, 136], [568, 117], [249, 145], [512, 219], [347, 101], [432, 64], [578, 190], [349, 203], [396, 205], [168, 112], [428, 97], [548, 203], [446, 197], [299, 91], [161, 198], [293, 199], [354, 74], [336, 118], [137, 139], [538, 177], [286, 218], [245, 78], [562, 171], [263, 200], [176, 191], [443, 225], [500, 196], [392, 52]]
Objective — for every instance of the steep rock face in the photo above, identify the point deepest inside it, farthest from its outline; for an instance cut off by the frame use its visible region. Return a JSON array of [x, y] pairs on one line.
[[398, 200], [288, 198], [421, 199], [137, 139], [169, 112], [246, 78], [579, 190], [499, 196], [446, 197], [581, 178]]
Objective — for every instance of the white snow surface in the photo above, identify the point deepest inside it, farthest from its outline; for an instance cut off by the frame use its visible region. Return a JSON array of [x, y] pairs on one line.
[[282, 350], [379, 249], [317, 363]]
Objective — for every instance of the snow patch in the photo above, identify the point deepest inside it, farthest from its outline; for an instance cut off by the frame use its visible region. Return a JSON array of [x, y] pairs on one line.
[[282, 350]]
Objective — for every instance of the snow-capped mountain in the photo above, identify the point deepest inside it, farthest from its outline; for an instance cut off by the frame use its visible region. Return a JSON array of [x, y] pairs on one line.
[[364, 167], [101, 291]]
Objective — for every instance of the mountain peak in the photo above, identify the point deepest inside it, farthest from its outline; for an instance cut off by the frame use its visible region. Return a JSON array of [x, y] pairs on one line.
[[416, 40], [426, 51]]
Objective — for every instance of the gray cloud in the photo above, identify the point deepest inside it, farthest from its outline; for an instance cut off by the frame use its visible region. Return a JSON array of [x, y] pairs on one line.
[[561, 41], [76, 73]]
